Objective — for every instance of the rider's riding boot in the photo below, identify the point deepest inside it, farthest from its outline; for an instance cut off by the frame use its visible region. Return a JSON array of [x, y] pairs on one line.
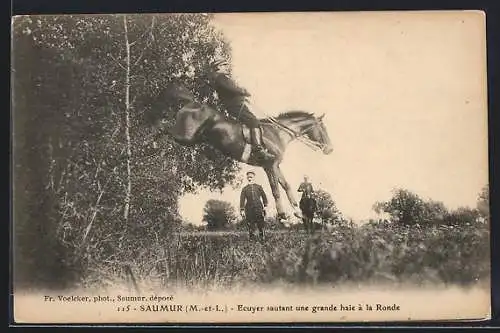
[[257, 143]]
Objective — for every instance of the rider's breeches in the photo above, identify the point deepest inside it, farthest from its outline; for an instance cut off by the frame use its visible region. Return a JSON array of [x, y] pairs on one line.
[[240, 111]]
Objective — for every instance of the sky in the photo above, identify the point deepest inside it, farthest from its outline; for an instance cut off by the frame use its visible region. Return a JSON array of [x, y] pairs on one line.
[[404, 96]]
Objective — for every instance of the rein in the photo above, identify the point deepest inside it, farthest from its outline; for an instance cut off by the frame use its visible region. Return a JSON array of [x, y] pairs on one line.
[[299, 135]]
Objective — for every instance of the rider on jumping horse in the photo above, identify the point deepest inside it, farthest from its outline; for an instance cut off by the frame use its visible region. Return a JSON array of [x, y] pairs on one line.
[[234, 99]]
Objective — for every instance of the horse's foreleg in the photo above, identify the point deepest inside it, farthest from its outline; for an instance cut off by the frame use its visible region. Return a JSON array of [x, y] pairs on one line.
[[288, 190], [273, 182]]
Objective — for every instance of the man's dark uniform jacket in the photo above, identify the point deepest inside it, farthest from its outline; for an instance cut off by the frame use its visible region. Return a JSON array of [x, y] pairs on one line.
[[250, 200]]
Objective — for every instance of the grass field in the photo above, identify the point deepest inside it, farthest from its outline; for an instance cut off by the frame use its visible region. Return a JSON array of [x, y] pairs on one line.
[[237, 233], [369, 254]]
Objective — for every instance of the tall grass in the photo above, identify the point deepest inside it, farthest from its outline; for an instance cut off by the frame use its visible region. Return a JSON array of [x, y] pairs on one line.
[[378, 253]]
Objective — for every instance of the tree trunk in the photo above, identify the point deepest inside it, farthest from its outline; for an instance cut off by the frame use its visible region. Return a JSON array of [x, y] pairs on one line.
[[128, 190]]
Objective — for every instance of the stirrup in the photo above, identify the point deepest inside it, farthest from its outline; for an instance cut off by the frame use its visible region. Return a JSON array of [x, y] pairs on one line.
[[260, 150]]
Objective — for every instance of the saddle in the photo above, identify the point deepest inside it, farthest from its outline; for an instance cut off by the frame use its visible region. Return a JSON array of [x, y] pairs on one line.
[[246, 131], [248, 151]]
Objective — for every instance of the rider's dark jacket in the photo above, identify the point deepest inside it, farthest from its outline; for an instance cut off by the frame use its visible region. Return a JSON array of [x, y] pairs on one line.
[[226, 88], [306, 189], [233, 98], [307, 201]]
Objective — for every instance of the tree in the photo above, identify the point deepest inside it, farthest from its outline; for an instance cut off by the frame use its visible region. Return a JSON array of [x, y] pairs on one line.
[[407, 208], [188, 227], [218, 214], [433, 211], [483, 203], [461, 216], [83, 89]]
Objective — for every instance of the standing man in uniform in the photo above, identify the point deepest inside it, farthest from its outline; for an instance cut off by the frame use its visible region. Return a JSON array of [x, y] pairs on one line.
[[253, 202], [233, 98]]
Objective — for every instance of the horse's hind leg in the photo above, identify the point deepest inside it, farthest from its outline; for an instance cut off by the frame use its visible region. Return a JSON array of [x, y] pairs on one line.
[[310, 225]]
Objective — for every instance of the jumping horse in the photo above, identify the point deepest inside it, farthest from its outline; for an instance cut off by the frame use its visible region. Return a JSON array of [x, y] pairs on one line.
[[201, 123]]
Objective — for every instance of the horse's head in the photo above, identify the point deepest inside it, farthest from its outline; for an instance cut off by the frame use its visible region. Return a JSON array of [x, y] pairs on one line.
[[317, 133], [306, 125]]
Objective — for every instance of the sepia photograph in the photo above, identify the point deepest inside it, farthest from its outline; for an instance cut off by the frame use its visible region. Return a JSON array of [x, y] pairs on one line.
[[250, 167]]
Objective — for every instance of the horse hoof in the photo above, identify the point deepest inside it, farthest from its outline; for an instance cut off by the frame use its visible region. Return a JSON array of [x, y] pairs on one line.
[[281, 216]]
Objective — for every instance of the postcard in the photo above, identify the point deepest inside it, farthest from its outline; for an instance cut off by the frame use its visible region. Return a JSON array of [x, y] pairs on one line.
[[250, 167]]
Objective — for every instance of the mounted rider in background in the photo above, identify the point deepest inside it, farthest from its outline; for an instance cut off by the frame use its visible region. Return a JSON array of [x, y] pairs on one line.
[[234, 100], [307, 201], [306, 188]]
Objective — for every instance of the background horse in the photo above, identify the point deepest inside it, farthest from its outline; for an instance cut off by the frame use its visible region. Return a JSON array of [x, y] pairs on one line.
[[197, 123], [308, 207]]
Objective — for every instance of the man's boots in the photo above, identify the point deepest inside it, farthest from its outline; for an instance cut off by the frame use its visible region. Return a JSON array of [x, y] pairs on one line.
[[257, 143]]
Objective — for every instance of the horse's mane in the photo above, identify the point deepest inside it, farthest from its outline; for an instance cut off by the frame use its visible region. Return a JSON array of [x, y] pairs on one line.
[[291, 114]]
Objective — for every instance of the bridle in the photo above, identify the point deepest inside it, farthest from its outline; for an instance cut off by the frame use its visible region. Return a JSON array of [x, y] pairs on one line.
[[301, 135]]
